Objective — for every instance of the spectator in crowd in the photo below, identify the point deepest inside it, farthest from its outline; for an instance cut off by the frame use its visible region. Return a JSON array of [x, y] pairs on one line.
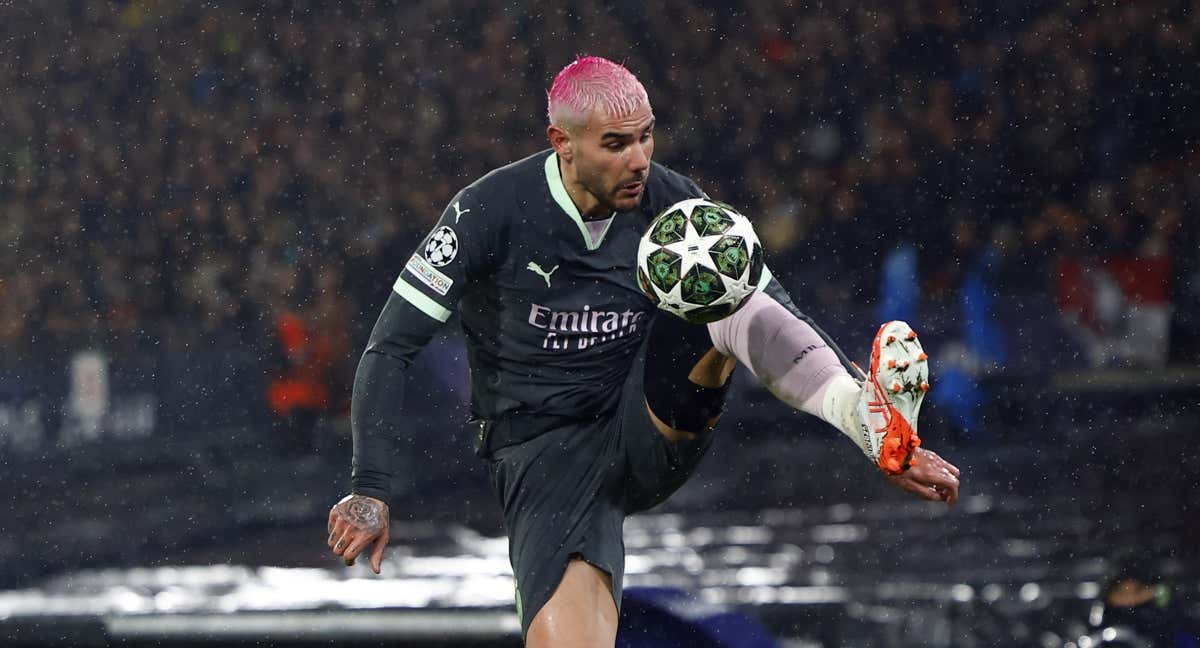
[[309, 380]]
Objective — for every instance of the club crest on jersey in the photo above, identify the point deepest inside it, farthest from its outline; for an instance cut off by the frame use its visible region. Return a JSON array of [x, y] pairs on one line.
[[442, 246]]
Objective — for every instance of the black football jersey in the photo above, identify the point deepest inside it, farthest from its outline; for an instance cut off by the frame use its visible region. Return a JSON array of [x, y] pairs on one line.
[[551, 310], [549, 305]]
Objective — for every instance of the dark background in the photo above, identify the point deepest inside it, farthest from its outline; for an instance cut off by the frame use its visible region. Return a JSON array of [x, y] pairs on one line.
[[202, 204]]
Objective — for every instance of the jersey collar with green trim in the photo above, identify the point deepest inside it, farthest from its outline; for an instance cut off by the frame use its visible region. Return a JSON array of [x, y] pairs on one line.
[[559, 191]]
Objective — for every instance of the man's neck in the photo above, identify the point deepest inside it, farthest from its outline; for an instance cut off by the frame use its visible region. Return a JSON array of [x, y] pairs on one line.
[[589, 208]]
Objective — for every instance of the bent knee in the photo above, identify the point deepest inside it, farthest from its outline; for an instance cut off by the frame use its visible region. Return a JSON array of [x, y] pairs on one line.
[[694, 405], [712, 370], [677, 435]]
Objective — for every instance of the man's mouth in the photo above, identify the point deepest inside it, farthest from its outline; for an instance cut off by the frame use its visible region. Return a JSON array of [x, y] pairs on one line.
[[633, 188]]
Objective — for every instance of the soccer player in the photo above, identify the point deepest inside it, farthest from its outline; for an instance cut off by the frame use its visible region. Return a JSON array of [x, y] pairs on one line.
[[589, 404]]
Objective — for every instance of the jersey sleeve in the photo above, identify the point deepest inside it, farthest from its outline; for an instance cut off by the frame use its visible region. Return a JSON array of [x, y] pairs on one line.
[[461, 247], [458, 250]]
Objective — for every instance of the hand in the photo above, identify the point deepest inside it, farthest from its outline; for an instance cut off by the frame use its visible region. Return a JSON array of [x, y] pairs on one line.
[[931, 478], [356, 522]]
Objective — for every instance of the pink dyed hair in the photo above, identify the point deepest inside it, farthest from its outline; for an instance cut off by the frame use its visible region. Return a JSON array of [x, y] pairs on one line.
[[593, 83]]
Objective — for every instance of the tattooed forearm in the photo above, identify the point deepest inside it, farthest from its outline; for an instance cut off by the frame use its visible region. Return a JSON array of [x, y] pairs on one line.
[[364, 513]]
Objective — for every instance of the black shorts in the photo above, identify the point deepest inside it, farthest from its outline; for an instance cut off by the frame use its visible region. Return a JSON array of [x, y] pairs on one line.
[[566, 492]]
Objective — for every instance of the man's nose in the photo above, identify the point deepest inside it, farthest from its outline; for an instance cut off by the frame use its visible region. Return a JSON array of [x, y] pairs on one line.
[[639, 158]]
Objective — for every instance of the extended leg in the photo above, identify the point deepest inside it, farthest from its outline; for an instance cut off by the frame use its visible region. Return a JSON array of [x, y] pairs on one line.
[[791, 359]]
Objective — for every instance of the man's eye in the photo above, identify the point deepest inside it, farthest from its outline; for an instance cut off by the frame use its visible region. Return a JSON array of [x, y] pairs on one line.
[[614, 146], [647, 136]]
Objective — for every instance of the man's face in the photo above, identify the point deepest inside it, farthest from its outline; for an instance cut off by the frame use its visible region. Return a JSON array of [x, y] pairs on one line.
[[612, 157]]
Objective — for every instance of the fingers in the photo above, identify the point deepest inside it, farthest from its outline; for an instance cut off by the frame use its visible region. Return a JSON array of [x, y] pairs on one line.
[[352, 543], [951, 493], [344, 540], [939, 480], [377, 552], [339, 527], [929, 456], [938, 475], [905, 481], [924, 492], [942, 482], [932, 478], [358, 542], [927, 492]]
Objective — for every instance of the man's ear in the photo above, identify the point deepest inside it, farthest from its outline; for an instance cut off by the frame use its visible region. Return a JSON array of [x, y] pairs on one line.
[[560, 139]]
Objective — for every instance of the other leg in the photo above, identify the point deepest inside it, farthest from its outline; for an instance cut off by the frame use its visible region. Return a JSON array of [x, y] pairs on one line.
[[580, 614]]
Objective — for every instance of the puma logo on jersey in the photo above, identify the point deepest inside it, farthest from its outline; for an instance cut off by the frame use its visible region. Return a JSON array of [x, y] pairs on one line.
[[458, 212], [544, 274]]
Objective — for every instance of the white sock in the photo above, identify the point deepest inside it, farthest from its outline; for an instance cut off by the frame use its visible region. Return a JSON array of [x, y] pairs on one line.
[[839, 408]]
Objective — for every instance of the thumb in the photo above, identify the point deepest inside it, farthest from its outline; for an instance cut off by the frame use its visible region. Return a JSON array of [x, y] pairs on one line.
[[377, 552]]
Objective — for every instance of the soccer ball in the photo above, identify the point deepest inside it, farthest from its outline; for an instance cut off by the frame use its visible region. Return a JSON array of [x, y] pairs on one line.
[[699, 260]]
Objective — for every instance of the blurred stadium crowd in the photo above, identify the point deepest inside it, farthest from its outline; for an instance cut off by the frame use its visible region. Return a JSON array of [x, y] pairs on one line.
[[217, 198], [182, 175]]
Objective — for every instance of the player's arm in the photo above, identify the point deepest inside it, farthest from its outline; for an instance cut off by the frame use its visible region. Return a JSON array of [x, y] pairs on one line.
[[361, 518], [422, 299]]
